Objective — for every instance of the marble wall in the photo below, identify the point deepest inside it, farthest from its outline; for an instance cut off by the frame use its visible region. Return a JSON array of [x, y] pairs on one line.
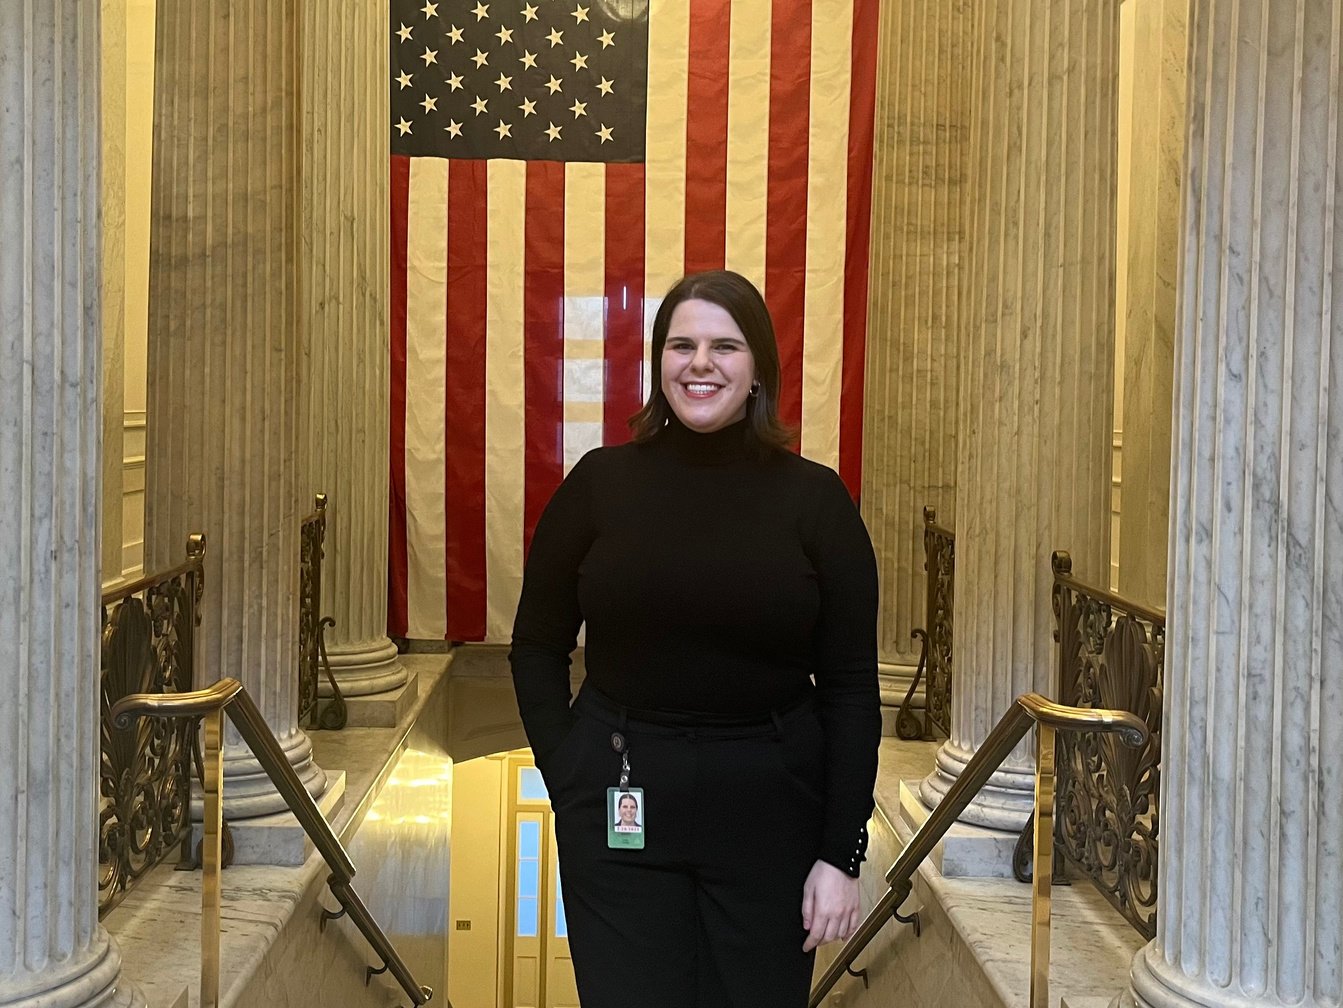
[[909, 438], [1156, 130]]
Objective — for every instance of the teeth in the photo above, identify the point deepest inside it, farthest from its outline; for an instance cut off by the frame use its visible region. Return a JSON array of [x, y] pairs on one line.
[[702, 389]]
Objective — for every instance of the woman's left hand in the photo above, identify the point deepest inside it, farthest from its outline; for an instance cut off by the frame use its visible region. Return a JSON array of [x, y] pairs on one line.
[[829, 905]]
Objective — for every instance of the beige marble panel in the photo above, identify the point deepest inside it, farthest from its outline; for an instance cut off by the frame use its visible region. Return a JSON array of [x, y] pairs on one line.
[[909, 438], [1157, 128], [112, 205], [225, 362], [343, 315]]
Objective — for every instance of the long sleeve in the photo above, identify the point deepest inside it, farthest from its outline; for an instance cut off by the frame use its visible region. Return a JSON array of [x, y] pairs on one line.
[[845, 662], [545, 630]]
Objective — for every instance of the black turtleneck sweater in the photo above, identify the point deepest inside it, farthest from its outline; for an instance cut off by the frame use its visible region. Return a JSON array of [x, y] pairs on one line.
[[711, 579]]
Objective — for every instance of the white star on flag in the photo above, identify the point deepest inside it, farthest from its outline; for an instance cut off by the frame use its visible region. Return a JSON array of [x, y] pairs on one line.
[[606, 38], [404, 80], [605, 86], [430, 103], [504, 35], [579, 61], [528, 107], [430, 9], [505, 83], [554, 132], [455, 34], [405, 33], [556, 37], [455, 82], [481, 11], [404, 127], [578, 108], [480, 105], [580, 14], [453, 129], [430, 56], [503, 129], [604, 133], [529, 12]]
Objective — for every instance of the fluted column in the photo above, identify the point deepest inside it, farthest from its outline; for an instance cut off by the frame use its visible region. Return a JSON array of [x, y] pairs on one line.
[[1157, 128], [1251, 863], [909, 445], [1036, 373], [344, 306], [224, 353], [53, 953]]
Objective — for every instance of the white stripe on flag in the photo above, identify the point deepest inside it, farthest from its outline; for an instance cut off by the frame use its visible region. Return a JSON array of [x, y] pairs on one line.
[[426, 361], [827, 200], [505, 402], [584, 308], [748, 142], [664, 213]]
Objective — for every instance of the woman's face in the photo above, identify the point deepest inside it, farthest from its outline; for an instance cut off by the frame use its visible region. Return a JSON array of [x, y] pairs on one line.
[[707, 367], [628, 809]]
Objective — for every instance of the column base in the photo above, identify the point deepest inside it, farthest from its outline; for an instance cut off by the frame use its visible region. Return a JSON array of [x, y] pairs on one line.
[[965, 851], [248, 789], [91, 981], [1155, 983], [893, 682], [1004, 803], [363, 668]]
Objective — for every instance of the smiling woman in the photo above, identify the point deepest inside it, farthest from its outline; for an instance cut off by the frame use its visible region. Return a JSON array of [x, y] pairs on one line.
[[729, 592], [708, 371]]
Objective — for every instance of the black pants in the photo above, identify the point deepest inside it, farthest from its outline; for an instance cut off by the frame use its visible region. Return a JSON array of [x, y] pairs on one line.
[[709, 913]]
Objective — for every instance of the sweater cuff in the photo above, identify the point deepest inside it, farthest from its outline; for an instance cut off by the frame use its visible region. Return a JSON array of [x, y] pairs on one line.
[[845, 850]]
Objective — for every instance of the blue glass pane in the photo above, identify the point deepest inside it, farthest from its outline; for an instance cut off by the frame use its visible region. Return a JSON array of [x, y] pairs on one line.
[[531, 786], [529, 840], [526, 917], [529, 873], [561, 923]]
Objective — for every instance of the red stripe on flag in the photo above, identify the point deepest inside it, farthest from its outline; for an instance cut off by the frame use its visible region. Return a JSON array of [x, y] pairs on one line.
[[786, 201], [464, 399], [397, 614], [706, 136], [857, 248], [543, 346], [624, 299]]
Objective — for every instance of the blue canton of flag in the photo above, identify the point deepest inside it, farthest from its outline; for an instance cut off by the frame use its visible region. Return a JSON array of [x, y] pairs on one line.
[[554, 80]]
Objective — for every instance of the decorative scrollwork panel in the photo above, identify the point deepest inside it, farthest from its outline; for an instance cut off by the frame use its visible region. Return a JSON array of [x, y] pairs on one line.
[[1111, 654], [934, 669], [148, 646]]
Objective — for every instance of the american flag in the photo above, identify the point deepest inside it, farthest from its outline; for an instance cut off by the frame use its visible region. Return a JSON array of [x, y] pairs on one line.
[[556, 166]]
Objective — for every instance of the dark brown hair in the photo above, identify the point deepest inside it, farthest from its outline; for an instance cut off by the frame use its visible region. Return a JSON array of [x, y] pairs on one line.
[[739, 298]]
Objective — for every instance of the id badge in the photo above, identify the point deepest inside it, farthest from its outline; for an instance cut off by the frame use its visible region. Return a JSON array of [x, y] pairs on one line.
[[625, 818]]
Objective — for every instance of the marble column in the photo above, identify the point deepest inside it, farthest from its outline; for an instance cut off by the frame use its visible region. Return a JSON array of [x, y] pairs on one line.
[[53, 953], [344, 292], [1251, 861], [225, 375], [909, 442], [1157, 127], [1036, 364]]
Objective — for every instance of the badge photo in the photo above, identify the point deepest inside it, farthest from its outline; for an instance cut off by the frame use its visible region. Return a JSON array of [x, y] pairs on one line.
[[625, 818]]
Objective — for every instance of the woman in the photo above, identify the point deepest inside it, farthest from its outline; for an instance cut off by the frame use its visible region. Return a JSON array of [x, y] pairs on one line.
[[719, 574]]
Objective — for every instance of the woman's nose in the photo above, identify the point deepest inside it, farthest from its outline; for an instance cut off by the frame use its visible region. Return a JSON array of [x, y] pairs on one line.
[[702, 360]]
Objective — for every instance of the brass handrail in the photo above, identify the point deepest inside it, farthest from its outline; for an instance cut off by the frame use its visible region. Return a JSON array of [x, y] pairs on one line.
[[210, 705], [1028, 709]]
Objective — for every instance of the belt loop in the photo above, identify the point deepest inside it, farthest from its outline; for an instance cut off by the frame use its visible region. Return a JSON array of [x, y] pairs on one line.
[[778, 725]]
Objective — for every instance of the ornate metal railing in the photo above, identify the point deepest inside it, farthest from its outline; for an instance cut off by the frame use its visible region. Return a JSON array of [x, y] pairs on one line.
[[312, 659], [208, 708], [148, 646], [1052, 723], [1111, 654], [939, 560]]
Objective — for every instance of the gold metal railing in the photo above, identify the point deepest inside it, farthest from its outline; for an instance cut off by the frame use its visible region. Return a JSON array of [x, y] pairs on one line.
[[1049, 718], [209, 706]]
